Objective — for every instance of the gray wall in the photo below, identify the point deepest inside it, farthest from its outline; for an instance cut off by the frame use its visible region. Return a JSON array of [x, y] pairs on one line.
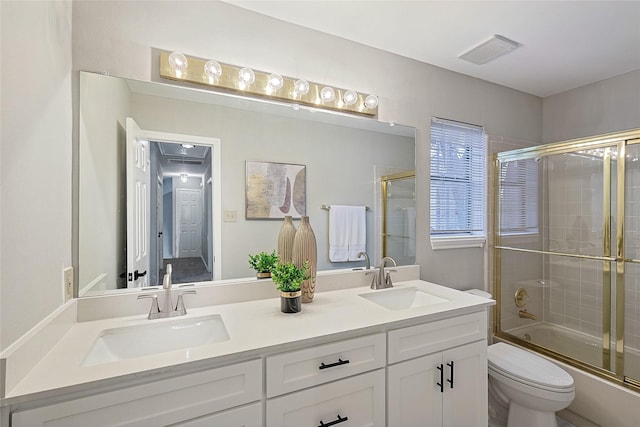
[[102, 192], [603, 107], [35, 165]]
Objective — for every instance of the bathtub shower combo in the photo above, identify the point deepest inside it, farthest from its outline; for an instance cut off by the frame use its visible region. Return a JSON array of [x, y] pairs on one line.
[[567, 252]]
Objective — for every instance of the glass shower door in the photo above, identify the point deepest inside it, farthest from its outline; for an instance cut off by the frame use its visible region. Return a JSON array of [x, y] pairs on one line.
[[399, 217], [553, 249]]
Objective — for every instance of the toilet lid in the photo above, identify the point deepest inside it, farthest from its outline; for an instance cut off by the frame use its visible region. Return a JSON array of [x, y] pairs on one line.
[[527, 367]]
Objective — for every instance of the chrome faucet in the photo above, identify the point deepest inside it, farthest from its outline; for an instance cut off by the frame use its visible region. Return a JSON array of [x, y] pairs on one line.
[[382, 278], [367, 263], [168, 309]]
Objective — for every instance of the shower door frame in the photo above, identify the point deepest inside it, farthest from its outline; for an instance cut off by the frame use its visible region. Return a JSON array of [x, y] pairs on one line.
[[619, 141]]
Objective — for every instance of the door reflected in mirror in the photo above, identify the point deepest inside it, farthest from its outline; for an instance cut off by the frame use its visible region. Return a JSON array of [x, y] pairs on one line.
[[170, 216]]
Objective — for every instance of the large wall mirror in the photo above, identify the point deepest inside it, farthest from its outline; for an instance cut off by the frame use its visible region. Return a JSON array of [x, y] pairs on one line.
[[186, 203]]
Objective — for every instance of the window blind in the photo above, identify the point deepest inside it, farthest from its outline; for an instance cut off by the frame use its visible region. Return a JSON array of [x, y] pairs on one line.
[[518, 196], [457, 194]]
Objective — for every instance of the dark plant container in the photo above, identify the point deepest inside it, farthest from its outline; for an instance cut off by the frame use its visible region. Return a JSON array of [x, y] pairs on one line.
[[291, 302]]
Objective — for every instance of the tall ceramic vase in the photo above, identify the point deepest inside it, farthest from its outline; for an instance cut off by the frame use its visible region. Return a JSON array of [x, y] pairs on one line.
[[285, 240], [306, 249]]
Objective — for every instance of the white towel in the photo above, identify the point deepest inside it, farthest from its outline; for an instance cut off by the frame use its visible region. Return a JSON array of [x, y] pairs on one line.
[[347, 232], [339, 233], [357, 232]]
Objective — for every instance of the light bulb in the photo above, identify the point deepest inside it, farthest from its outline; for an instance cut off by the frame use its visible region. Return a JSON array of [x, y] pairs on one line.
[[246, 77], [184, 177], [178, 63], [212, 70], [371, 102], [274, 82], [301, 87], [350, 97], [327, 94]]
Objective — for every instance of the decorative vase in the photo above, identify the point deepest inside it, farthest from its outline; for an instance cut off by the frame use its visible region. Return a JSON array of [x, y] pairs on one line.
[[285, 240], [290, 302], [263, 275], [306, 249]]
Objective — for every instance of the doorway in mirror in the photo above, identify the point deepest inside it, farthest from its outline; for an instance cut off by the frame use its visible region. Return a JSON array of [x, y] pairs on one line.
[[171, 214]]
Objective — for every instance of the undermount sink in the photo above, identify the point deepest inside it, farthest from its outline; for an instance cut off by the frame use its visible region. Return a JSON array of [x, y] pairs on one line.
[[156, 337], [403, 298]]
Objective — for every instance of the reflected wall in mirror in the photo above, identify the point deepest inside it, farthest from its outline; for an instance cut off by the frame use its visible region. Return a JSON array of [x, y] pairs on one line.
[[345, 158]]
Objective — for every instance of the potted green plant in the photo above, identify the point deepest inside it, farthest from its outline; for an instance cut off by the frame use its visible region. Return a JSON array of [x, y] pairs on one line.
[[288, 278], [263, 263]]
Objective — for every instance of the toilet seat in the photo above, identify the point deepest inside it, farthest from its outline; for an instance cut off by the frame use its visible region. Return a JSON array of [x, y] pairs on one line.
[[527, 368]]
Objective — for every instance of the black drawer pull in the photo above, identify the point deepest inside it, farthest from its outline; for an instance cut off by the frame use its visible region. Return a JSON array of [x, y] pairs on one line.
[[334, 422], [441, 383], [450, 381], [331, 365]]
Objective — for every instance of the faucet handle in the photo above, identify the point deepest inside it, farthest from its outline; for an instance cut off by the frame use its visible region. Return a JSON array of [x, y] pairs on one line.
[[155, 308], [387, 280], [180, 303]]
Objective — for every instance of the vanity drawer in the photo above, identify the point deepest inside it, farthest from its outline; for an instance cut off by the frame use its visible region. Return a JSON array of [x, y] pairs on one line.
[[359, 399], [162, 402], [428, 338], [244, 416], [316, 365]]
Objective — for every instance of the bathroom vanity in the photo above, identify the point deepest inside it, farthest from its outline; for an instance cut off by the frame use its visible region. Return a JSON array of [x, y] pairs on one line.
[[402, 356]]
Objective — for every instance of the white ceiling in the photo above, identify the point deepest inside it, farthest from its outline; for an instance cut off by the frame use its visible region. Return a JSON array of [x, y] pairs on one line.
[[565, 44]]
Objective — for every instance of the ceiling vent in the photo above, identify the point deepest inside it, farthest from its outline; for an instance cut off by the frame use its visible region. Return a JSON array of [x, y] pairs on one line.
[[493, 48]]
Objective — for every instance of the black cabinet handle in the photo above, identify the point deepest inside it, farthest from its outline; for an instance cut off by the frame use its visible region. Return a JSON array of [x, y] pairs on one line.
[[331, 365], [450, 380], [441, 383], [137, 275], [334, 422]]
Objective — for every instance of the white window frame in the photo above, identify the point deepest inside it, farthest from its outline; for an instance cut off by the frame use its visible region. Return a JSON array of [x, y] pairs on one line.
[[453, 135]]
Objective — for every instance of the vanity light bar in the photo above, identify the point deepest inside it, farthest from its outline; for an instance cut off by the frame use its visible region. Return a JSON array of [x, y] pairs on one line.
[[176, 66]]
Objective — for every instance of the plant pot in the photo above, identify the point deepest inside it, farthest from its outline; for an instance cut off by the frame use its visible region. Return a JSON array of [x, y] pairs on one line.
[[266, 275], [290, 302]]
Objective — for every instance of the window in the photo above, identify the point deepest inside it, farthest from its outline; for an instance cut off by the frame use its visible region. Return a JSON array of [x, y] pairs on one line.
[[519, 196], [458, 177]]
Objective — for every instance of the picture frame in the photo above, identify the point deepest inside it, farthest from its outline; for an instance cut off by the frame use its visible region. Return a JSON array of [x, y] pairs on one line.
[[275, 190]]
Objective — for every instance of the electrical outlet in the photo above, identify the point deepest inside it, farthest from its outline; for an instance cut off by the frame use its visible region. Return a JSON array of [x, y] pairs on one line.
[[67, 277]]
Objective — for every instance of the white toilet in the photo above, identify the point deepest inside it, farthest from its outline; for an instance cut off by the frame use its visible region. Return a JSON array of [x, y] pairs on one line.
[[531, 387]]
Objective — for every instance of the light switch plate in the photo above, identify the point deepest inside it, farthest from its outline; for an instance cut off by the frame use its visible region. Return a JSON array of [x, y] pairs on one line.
[[230, 215], [67, 278]]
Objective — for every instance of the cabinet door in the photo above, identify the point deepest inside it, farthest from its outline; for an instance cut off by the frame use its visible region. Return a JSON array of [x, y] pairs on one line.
[[465, 396], [414, 396], [356, 401], [245, 416]]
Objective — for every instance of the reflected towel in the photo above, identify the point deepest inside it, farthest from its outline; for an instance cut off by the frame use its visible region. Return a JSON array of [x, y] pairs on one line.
[[357, 232], [339, 225], [347, 232]]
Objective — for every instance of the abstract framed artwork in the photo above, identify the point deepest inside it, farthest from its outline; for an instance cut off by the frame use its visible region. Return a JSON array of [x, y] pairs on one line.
[[275, 190]]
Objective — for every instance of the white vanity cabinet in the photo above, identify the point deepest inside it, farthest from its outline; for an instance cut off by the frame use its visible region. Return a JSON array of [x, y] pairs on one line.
[[197, 399], [438, 374], [327, 385]]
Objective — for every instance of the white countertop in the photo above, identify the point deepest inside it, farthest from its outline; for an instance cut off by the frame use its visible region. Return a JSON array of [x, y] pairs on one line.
[[255, 328]]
